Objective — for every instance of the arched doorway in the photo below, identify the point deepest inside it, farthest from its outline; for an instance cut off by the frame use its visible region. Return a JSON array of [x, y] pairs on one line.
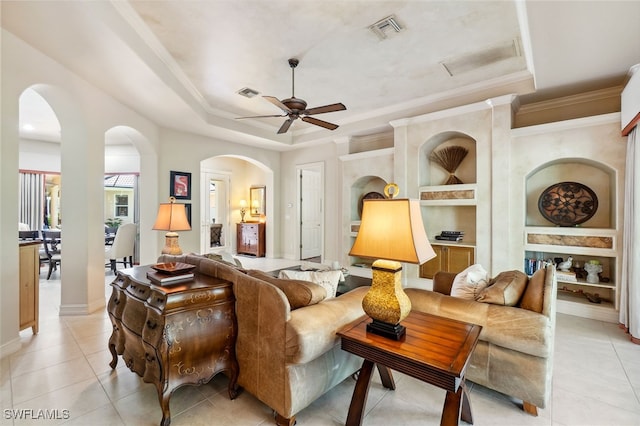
[[232, 177]]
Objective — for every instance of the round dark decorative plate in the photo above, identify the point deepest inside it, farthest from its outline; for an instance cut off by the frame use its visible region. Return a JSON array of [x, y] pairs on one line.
[[368, 196], [568, 203]]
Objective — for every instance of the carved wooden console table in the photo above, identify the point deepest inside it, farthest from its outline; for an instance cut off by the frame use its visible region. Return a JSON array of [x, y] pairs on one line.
[[173, 335]]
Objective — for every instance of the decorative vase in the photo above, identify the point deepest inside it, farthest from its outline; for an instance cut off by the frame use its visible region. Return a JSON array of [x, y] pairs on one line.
[[593, 268]]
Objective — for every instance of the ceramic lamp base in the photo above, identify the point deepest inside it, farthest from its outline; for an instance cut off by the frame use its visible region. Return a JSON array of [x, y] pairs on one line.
[[171, 245], [384, 329], [385, 302]]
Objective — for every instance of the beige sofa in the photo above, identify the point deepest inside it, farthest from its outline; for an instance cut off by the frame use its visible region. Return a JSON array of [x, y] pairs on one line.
[[514, 355], [288, 357]]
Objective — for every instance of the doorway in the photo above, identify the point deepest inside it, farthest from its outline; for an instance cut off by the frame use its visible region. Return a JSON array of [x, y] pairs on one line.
[[215, 226], [311, 210]]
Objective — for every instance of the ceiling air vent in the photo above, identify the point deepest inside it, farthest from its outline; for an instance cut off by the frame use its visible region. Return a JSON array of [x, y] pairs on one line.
[[384, 26], [247, 92], [469, 62]]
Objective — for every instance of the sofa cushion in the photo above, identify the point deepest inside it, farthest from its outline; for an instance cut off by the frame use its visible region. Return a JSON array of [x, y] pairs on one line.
[[505, 289], [327, 279], [311, 331], [299, 293], [533, 296], [468, 283]]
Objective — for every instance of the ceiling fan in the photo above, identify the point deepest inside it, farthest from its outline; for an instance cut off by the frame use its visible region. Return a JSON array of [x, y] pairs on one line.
[[295, 108]]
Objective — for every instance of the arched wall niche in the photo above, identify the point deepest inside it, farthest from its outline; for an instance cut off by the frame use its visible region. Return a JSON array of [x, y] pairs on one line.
[[595, 175], [432, 174], [360, 188]]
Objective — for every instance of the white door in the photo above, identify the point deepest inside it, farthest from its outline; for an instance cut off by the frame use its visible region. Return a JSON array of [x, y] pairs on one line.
[[311, 211]]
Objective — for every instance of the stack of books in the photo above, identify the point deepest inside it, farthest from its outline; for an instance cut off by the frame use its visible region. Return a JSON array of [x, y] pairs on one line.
[[566, 276], [450, 236], [170, 273], [159, 278]]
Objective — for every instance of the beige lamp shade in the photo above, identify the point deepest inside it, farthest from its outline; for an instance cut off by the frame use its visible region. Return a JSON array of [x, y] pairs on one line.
[[392, 230], [171, 217]]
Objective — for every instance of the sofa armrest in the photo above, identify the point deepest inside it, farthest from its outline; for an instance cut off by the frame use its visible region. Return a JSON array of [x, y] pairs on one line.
[[311, 331], [443, 281]]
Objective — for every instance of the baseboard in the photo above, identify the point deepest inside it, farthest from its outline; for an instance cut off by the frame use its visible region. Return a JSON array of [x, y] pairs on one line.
[[10, 347]]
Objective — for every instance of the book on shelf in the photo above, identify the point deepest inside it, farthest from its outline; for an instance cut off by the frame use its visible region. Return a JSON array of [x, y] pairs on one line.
[[452, 233], [163, 279], [449, 237], [566, 276], [531, 265]]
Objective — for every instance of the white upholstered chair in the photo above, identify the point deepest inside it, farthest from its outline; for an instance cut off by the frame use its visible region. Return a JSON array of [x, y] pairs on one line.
[[122, 246]]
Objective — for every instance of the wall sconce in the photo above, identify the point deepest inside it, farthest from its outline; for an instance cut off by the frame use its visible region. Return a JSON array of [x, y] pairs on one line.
[[243, 209], [392, 232], [171, 217]]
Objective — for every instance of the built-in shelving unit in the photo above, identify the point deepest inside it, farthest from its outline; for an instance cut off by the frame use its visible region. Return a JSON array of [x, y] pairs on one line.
[[583, 245], [597, 239], [448, 207]]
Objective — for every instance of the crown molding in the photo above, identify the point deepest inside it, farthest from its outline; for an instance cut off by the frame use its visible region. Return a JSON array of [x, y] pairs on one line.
[[566, 101]]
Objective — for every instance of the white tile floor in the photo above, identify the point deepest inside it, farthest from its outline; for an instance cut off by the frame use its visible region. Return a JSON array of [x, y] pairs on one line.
[[66, 367]]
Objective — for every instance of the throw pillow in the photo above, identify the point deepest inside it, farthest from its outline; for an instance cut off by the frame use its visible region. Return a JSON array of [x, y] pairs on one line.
[[533, 297], [299, 293], [505, 289], [327, 279], [470, 282], [221, 259]]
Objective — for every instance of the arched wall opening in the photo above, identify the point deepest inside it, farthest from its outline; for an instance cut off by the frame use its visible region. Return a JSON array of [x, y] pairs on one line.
[[55, 138], [237, 174]]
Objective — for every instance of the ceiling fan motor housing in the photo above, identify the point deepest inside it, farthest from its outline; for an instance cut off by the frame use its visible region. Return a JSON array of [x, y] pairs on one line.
[[295, 104]]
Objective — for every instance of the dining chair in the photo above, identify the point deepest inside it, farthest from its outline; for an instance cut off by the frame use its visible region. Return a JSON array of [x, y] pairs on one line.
[[52, 247], [122, 246]]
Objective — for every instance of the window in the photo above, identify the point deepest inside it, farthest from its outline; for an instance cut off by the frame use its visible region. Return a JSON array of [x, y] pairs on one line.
[[122, 205]]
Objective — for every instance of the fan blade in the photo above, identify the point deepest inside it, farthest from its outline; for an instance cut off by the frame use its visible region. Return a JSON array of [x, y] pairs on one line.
[[277, 103], [261, 116], [327, 108], [320, 123], [285, 126]]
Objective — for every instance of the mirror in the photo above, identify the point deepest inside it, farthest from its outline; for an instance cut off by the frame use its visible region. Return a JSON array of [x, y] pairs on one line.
[[217, 212], [257, 200]]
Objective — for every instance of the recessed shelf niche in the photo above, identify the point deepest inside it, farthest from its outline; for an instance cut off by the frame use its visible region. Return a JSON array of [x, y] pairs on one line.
[[599, 179], [359, 189], [432, 174]]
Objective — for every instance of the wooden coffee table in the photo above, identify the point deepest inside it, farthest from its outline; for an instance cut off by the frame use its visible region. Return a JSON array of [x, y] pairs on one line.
[[435, 350]]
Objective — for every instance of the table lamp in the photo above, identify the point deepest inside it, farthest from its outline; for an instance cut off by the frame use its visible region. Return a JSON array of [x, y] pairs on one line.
[[171, 217], [243, 209], [391, 231]]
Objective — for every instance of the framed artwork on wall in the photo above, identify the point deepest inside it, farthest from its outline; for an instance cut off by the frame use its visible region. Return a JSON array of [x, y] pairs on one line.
[[180, 185]]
